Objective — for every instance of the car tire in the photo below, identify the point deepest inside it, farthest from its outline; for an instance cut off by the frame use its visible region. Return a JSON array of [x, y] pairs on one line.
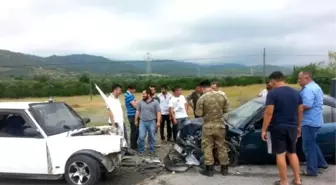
[[82, 166], [233, 154]]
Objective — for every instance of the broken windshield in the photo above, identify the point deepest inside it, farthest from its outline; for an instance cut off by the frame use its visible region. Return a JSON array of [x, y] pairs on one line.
[[55, 118], [239, 116]]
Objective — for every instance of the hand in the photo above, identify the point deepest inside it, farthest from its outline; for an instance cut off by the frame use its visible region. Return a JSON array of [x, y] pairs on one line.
[[158, 124], [174, 121], [264, 136], [136, 123], [298, 132]]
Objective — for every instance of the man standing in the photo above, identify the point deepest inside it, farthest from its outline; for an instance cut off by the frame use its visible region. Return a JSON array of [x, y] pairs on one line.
[[212, 106], [115, 112], [164, 97], [130, 104], [264, 92], [215, 86], [312, 97], [193, 97], [153, 90], [178, 108], [149, 112], [283, 113]]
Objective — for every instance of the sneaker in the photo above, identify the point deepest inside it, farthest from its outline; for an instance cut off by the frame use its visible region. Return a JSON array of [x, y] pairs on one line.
[[140, 154], [152, 154], [129, 152]]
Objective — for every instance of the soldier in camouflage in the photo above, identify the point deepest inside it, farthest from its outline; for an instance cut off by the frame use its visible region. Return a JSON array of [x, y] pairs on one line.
[[212, 106]]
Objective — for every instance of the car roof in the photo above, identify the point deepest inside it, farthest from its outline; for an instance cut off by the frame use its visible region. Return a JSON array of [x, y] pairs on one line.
[[16, 105], [326, 98]]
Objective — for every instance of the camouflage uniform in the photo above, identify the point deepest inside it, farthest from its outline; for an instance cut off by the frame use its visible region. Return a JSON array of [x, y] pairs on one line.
[[192, 100], [212, 106]]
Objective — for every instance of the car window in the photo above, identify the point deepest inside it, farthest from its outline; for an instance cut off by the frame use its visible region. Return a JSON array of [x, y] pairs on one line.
[[56, 118], [238, 116], [15, 124], [327, 114]]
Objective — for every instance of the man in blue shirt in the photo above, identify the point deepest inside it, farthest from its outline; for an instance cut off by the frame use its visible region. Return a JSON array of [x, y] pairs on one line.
[[282, 118], [130, 104], [312, 97]]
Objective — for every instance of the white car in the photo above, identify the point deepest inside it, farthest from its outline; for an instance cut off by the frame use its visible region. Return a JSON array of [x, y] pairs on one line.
[[49, 140]]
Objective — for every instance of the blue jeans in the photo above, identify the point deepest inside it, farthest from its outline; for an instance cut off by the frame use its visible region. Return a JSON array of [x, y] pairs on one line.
[[144, 127], [314, 156]]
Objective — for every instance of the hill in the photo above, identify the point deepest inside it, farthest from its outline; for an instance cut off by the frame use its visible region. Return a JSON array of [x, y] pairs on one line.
[[20, 64]]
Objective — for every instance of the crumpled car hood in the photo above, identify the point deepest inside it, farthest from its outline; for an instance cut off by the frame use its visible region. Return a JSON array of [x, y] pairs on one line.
[[99, 130]]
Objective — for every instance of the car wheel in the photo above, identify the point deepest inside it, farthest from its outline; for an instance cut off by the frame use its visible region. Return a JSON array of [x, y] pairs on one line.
[[233, 154], [82, 170]]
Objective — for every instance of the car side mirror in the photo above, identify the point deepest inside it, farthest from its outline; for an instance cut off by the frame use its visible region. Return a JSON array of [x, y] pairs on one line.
[[251, 128], [86, 120], [31, 132]]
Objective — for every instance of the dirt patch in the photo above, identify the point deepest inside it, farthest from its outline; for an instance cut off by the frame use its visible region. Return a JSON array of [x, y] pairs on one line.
[[75, 106]]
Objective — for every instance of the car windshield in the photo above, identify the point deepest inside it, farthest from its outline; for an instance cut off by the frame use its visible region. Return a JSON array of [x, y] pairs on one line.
[[238, 116], [55, 118]]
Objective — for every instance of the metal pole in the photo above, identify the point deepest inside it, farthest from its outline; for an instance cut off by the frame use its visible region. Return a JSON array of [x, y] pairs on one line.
[[264, 65], [198, 71], [148, 59], [90, 80]]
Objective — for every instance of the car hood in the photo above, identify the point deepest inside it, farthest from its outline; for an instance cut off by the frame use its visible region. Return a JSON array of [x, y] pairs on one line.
[[103, 139], [199, 121]]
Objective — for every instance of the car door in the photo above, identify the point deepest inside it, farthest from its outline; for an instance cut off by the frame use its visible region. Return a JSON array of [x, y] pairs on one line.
[[21, 154], [327, 134], [253, 149]]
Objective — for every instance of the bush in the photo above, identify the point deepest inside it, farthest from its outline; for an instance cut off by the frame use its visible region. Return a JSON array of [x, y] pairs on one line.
[[43, 87]]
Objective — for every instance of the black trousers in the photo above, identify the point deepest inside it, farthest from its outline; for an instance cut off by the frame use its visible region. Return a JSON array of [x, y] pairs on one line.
[[134, 133], [165, 120]]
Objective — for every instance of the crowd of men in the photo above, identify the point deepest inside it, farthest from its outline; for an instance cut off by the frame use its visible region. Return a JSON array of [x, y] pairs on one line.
[[289, 114]]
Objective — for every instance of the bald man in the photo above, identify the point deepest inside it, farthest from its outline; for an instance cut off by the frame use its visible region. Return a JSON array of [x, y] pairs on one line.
[[312, 98]]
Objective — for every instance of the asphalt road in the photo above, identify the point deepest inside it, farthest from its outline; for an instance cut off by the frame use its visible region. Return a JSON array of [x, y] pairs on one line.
[[242, 175]]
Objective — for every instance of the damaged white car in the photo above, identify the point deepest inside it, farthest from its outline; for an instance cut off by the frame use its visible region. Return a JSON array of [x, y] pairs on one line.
[[49, 140]]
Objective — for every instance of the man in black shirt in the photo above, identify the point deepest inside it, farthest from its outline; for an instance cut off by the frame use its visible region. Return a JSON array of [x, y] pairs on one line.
[[283, 113]]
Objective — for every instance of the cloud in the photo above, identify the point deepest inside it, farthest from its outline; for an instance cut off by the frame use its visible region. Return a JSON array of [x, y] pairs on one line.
[[172, 29]]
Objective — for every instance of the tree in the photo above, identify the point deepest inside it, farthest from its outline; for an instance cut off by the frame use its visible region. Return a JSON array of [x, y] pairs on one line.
[[332, 62], [84, 78]]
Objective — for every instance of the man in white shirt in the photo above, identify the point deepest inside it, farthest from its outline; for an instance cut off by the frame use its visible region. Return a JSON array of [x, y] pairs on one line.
[[164, 97], [115, 112], [178, 108], [264, 92], [215, 86]]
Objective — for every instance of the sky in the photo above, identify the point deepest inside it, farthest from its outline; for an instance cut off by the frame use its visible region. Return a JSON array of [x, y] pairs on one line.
[[292, 31]]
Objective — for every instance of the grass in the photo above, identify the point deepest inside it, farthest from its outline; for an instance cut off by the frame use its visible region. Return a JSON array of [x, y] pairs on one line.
[[95, 109]]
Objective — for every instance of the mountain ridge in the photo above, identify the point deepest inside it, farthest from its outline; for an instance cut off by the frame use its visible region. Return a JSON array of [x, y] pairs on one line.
[[16, 63]]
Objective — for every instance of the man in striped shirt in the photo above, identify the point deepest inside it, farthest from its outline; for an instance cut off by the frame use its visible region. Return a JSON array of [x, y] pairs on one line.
[[130, 104]]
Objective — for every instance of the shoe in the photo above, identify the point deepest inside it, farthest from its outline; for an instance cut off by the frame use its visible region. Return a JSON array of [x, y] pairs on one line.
[[140, 154], [152, 154], [225, 170], [323, 167], [305, 173], [208, 171], [294, 183], [129, 152]]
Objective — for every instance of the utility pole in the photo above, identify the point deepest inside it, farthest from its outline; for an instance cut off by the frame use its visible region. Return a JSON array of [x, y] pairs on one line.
[[90, 80], [198, 70], [148, 59], [264, 65]]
